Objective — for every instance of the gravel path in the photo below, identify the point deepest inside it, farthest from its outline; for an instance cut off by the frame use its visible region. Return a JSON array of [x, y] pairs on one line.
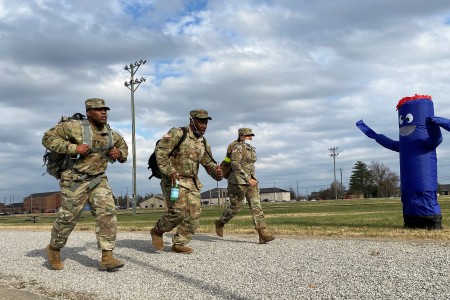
[[235, 267]]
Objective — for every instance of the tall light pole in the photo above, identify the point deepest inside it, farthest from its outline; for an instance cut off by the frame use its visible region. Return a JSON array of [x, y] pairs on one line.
[[132, 85], [333, 154]]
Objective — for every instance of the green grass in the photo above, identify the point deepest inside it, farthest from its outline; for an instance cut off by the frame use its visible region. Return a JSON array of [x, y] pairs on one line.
[[369, 218]]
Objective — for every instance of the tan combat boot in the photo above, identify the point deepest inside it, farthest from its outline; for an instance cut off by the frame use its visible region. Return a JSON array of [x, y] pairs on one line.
[[109, 262], [265, 236], [219, 227], [157, 239], [179, 248], [54, 258]]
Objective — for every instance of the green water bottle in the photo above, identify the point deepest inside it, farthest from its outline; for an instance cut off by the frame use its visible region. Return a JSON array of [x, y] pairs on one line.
[[175, 192]]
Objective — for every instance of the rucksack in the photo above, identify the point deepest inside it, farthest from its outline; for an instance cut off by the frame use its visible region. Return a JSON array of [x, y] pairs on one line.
[[153, 165], [59, 162], [226, 163]]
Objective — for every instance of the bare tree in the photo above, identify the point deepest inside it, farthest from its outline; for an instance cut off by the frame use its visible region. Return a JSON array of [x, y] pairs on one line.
[[385, 180]]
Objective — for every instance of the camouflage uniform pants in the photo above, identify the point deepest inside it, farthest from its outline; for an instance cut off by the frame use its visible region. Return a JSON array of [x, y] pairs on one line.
[[183, 213], [237, 193], [101, 200]]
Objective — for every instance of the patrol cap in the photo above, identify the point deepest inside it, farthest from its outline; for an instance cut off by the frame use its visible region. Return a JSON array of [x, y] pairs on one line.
[[245, 131], [200, 114], [95, 103]]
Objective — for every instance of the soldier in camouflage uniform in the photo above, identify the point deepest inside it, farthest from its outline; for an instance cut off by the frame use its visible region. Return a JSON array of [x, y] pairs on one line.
[[86, 181], [242, 183], [182, 167]]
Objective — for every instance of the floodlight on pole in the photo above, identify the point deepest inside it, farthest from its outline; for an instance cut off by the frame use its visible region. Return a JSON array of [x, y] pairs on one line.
[[333, 154], [132, 85]]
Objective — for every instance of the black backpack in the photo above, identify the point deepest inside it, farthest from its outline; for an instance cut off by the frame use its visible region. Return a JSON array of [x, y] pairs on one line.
[[153, 166]]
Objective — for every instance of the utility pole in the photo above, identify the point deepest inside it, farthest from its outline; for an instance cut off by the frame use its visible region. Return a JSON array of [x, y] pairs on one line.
[[333, 154], [342, 189], [132, 85], [274, 193]]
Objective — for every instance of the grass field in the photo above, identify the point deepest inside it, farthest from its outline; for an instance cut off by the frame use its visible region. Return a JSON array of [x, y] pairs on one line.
[[369, 218]]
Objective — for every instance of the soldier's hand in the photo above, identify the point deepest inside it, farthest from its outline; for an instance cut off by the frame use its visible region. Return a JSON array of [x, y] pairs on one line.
[[174, 177], [82, 149], [253, 182], [114, 154], [219, 172]]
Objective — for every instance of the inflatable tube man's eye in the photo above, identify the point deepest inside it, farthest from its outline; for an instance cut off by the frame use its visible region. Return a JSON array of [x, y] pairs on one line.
[[409, 118], [400, 119]]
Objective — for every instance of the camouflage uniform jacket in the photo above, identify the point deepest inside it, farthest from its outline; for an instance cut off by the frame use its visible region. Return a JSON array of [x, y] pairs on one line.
[[64, 138], [186, 159], [242, 164]]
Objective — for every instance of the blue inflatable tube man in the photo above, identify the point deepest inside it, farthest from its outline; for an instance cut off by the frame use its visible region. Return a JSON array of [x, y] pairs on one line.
[[419, 136]]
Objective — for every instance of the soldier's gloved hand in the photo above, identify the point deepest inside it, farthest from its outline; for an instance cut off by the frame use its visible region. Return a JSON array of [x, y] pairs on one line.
[[82, 149], [366, 129]]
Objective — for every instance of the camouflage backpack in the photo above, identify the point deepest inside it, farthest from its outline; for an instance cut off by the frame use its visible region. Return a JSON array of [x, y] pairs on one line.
[[226, 163], [56, 163]]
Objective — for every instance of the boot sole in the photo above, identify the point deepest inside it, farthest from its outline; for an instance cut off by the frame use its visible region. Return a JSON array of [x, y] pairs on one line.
[[266, 241], [218, 234], [187, 251], [110, 269]]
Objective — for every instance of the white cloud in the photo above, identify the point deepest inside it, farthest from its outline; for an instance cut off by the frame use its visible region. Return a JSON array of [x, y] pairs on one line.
[[300, 73]]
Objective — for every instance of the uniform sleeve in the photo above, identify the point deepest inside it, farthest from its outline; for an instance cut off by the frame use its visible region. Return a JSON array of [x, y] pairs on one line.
[[163, 149], [208, 163], [60, 139], [236, 162], [119, 143]]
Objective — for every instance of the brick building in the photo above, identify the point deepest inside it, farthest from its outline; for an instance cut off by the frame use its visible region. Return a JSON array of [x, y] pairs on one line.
[[42, 202]]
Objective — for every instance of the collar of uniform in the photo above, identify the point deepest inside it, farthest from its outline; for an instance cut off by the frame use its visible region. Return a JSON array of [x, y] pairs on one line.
[[103, 130], [192, 135]]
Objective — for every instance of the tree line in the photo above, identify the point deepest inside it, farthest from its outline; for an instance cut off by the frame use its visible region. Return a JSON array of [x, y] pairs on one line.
[[371, 181]]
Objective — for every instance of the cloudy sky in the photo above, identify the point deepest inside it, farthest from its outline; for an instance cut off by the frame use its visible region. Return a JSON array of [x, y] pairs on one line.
[[299, 72]]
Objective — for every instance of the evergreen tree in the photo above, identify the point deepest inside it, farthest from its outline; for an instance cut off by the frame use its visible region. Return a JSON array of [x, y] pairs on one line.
[[361, 180]]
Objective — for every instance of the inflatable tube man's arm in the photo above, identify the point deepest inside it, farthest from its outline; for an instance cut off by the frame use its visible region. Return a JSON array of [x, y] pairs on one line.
[[442, 122], [379, 138], [433, 125]]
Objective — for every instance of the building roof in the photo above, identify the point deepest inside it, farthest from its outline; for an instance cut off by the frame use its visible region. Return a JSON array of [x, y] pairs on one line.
[[272, 190], [38, 195], [213, 193]]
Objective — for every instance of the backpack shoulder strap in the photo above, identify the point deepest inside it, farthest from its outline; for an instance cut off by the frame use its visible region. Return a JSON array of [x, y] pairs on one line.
[[207, 152], [110, 137], [86, 132], [183, 137]]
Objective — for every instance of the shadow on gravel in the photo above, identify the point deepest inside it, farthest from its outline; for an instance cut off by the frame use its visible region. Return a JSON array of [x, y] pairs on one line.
[[74, 253], [138, 245], [207, 238], [208, 287], [147, 247]]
